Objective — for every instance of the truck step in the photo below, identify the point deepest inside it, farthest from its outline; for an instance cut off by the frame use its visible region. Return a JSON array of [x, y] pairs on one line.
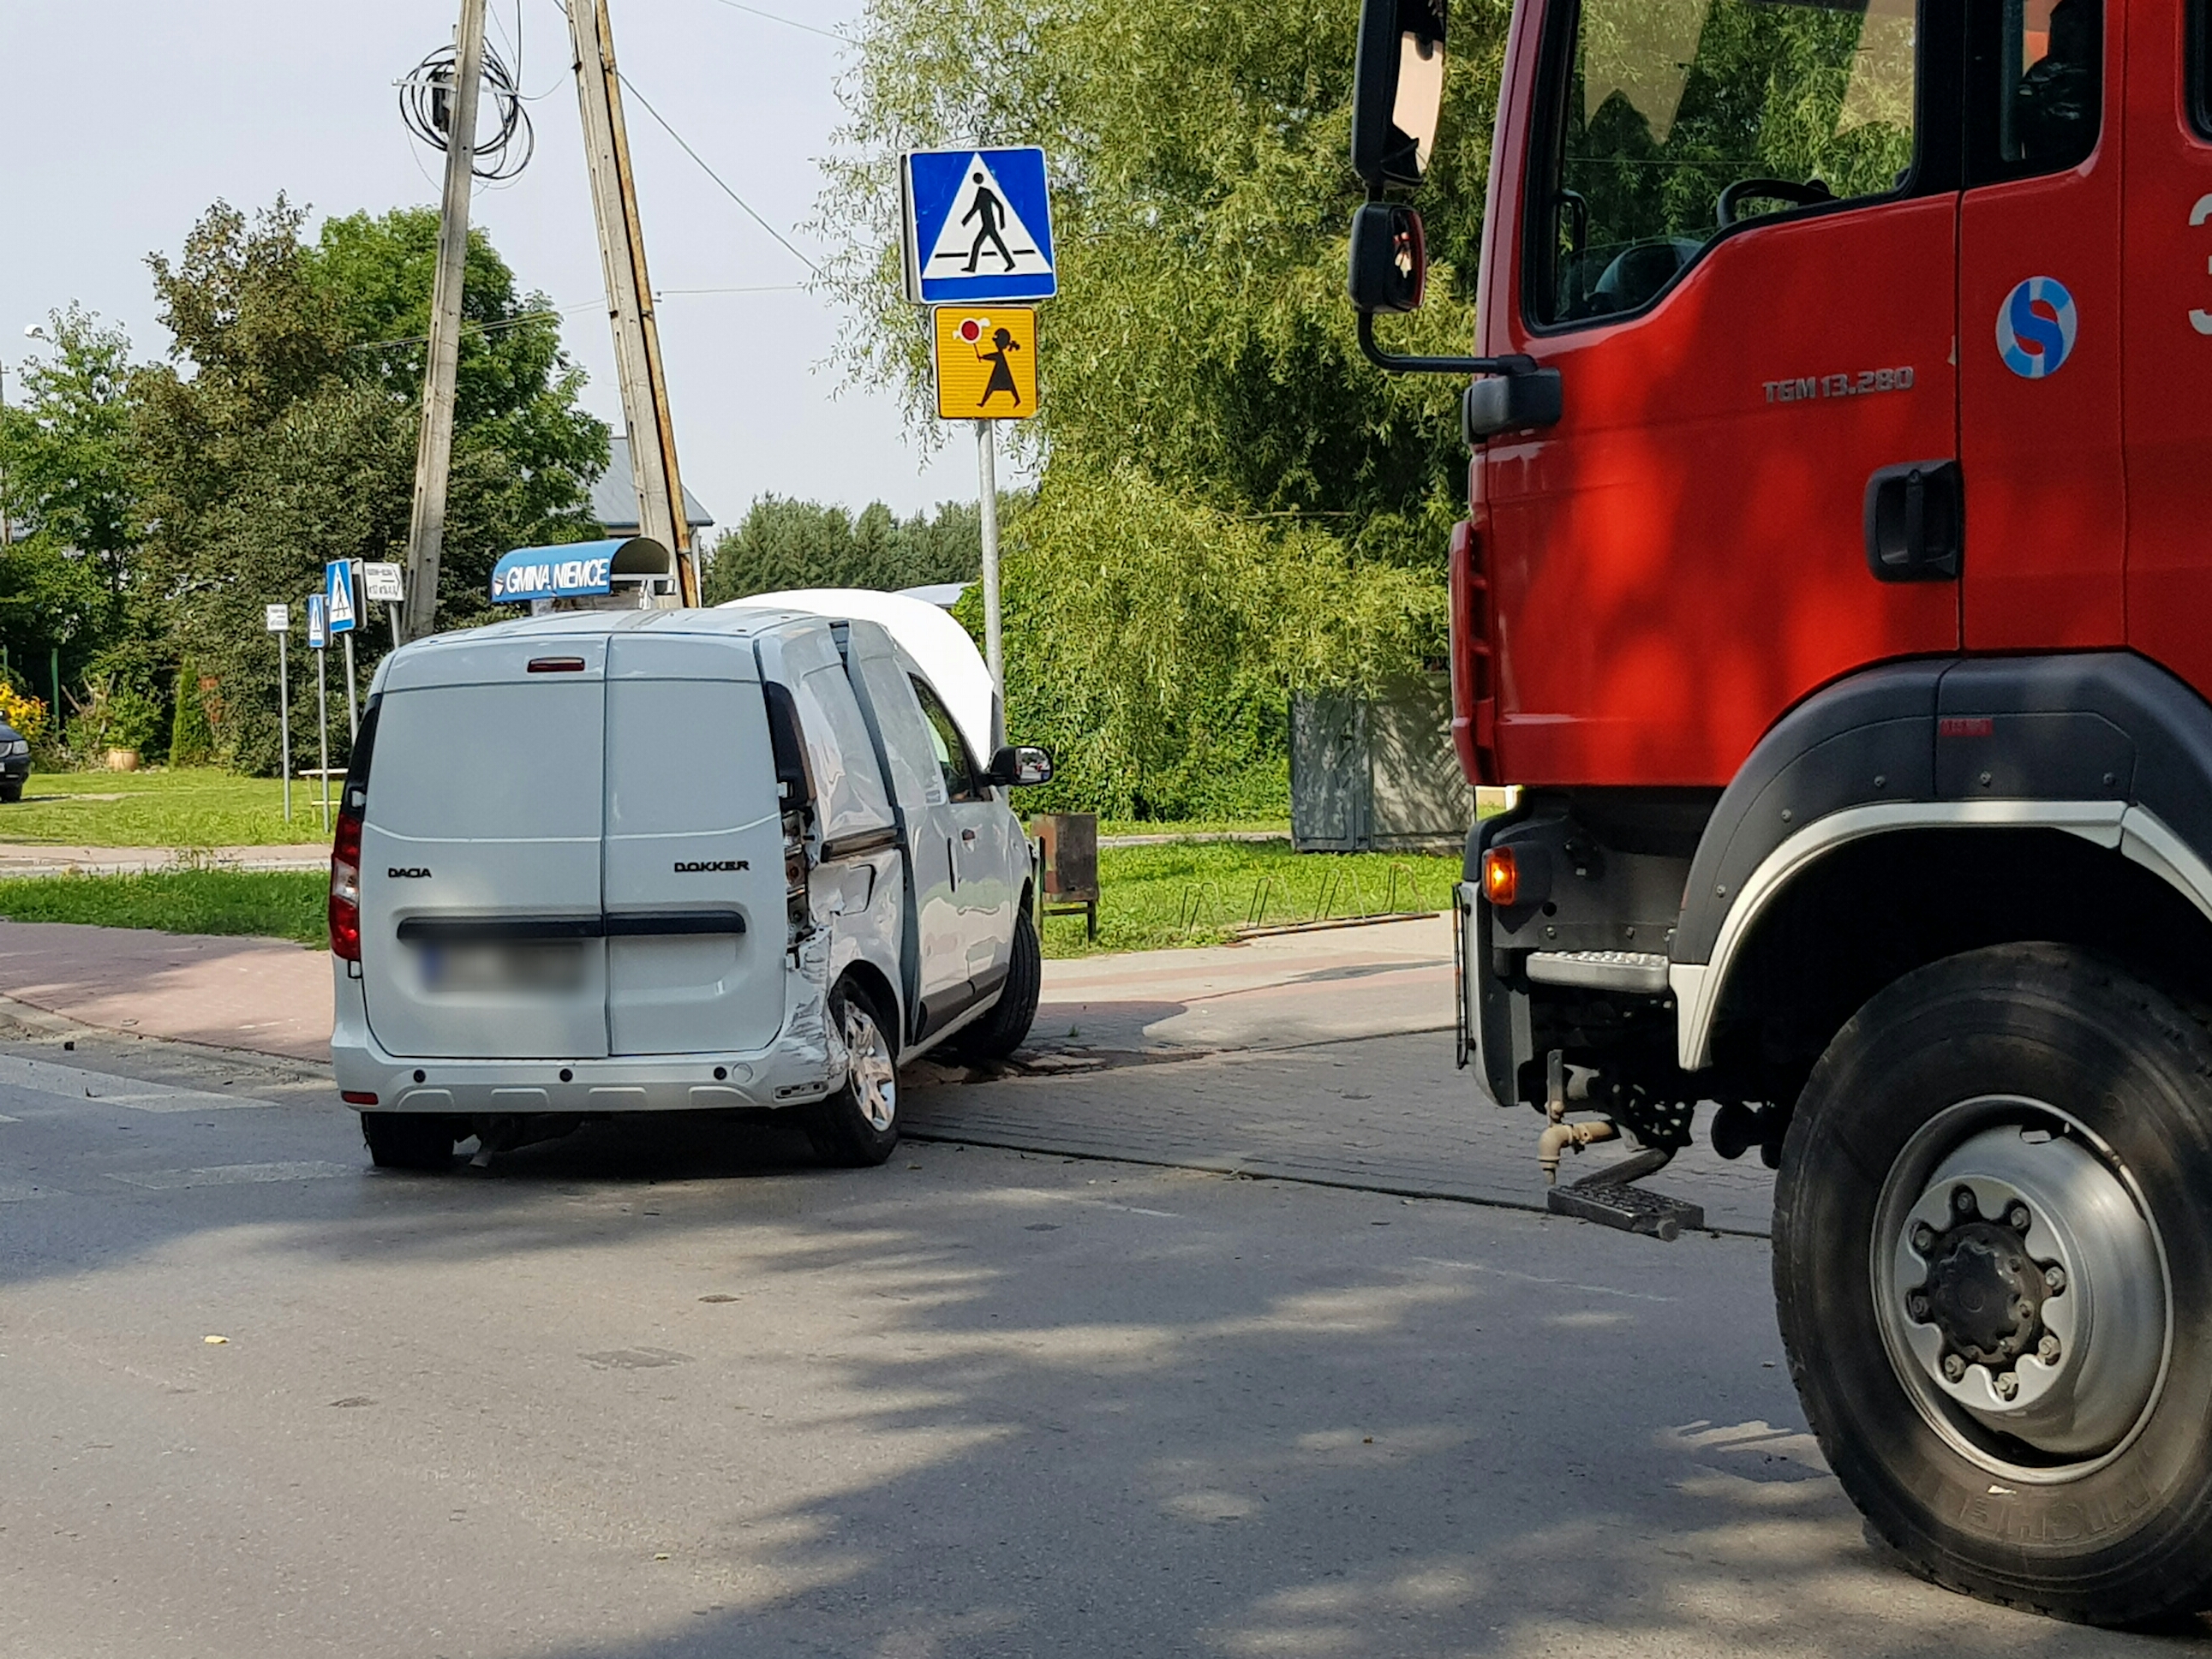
[[1632, 1209]]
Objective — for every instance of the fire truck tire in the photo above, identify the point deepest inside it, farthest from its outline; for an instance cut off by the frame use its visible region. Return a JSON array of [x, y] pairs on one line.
[[1006, 1027], [411, 1141], [1993, 1269]]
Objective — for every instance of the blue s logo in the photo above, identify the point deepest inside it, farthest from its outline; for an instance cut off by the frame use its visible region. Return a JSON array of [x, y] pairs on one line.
[[2035, 328]]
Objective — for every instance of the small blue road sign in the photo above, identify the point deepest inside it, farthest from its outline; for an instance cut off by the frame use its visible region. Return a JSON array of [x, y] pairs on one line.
[[978, 225], [319, 627], [337, 595]]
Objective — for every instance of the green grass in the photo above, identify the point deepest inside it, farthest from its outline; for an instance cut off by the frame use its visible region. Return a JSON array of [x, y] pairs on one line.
[[272, 903], [191, 808], [1153, 898]]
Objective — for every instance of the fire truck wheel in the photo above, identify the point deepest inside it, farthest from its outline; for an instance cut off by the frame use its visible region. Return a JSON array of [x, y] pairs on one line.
[[1993, 1266], [858, 1126], [409, 1140], [1006, 1027]]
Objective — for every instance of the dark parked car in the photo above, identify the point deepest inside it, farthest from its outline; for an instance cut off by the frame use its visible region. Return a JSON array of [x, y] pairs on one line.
[[14, 763]]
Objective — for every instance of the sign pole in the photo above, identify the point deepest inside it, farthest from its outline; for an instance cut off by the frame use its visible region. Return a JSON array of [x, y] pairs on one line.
[[353, 704], [987, 469], [323, 732], [284, 714]]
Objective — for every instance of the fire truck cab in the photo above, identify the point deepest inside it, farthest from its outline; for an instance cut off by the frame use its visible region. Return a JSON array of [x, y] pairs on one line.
[[1837, 586]]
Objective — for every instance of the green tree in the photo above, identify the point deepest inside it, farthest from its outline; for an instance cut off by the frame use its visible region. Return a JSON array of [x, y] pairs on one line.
[[67, 579], [1200, 199], [282, 434], [784, 544]]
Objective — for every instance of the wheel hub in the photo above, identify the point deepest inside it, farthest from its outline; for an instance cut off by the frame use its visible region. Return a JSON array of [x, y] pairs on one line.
[[1984, 1293], [2020, 1288]]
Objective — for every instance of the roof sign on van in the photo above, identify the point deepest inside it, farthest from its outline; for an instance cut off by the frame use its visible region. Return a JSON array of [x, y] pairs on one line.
[[578, 569]]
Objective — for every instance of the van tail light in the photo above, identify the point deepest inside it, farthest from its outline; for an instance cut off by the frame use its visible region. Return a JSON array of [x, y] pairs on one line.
[[345, 888]]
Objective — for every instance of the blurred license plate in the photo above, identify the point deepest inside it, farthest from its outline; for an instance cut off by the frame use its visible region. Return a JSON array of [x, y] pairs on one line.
[[557, 966]]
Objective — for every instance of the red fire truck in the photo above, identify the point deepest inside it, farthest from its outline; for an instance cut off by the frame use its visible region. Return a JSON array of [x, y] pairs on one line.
[[1837, 586]]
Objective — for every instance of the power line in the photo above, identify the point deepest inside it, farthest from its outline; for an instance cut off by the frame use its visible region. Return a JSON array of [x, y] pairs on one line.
[[630, 87], [789, 22]]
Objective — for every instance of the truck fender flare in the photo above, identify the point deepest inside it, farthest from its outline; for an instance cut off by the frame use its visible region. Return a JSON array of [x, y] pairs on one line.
[[2105, 746]]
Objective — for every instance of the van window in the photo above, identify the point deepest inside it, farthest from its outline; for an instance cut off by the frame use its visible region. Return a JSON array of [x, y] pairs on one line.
[[1670, 120], [951, 748], [487, 763], [851, 795], [2040, 70]]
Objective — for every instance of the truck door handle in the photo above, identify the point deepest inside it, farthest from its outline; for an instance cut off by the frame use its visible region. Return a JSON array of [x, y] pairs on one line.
[[1916, 522], [968, 836]]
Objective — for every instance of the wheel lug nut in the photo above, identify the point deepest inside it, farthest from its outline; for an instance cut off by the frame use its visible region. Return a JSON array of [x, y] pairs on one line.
[[2054, 1279], [1916, 1305], [2008, 1385], [2047, 1351], [1923, 1238], [2018, 1218], [1954, 1367], [1963, 1201]]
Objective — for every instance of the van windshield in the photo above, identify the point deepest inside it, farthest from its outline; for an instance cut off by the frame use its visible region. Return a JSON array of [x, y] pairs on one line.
[[1680, 117]]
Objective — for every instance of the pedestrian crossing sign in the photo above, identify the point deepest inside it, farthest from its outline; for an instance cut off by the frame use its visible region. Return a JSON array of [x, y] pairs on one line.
[[978, 225], [985, 363]]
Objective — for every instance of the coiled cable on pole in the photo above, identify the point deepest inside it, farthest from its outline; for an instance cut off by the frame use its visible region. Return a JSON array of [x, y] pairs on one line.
[[426, 104]]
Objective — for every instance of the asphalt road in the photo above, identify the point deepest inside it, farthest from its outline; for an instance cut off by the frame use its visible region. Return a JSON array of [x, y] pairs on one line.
[[652, 1393]]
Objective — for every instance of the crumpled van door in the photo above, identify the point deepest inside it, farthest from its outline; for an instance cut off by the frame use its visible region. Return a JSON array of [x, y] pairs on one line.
[[693, 883], [480, 853], [933, 947]]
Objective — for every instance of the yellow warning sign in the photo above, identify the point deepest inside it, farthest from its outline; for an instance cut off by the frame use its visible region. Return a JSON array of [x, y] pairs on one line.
[[985, 363]]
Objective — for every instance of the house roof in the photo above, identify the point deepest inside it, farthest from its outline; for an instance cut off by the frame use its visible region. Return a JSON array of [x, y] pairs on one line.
[[614, 497]]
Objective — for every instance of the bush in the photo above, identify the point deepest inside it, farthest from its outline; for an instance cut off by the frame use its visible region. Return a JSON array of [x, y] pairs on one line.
[[192, 738], [1153, 642], [26, 714]]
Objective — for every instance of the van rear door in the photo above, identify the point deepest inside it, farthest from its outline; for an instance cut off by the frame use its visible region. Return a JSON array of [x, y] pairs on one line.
[[480, 852], [694, 883]]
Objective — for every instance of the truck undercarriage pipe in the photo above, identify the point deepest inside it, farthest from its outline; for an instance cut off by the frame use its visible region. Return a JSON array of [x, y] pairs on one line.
[[1560, 1136]]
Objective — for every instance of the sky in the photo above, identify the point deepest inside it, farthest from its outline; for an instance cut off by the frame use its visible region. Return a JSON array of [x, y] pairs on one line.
[[125, 119]]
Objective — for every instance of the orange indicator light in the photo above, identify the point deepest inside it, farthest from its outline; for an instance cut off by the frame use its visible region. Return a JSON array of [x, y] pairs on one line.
[[1501, 878]]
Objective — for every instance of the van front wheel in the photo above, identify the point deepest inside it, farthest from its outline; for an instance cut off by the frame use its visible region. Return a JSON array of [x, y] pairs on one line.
[[409, 1140], [858, 1126], [1006, 1027]]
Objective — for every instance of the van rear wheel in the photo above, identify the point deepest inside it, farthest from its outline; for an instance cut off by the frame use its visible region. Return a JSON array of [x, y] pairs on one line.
[[409, 1140], [858, 1126], [1995, 1280]]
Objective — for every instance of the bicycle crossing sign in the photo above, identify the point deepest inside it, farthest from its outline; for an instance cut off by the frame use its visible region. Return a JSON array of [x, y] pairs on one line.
[[978, 225]]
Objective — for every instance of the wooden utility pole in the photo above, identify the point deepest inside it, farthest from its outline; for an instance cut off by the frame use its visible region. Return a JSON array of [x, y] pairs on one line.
[[629, 294], [433, 454]]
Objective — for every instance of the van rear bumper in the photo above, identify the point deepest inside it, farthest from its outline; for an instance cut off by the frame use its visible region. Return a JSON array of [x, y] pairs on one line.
[[796, 1070]]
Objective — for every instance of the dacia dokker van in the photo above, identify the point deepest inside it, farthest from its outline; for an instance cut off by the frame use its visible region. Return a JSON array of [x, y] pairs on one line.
[[673, 861]]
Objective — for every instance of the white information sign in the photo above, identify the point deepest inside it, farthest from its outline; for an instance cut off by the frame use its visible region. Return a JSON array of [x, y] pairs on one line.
[[381, 584], [277, 618]]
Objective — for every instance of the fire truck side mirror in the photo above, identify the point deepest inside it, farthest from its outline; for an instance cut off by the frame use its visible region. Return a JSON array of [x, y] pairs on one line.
[[1390, 258], [1398, 90]]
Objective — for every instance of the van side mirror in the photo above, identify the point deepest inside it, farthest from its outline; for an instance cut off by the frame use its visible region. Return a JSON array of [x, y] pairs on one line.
[[1390, 258], [1398, 90], [1018, 767]]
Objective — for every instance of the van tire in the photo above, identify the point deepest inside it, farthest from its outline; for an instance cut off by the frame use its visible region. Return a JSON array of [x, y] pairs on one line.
[[2057, 1084], [409, 1140], [857, 1127], [1006, 1027], [11, 793]]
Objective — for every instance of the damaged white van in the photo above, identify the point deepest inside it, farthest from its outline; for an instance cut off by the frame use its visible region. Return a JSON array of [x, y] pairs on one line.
[[673, 861]]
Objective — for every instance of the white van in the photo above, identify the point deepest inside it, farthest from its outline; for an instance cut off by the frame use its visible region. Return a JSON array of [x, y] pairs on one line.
[[672, 860]]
